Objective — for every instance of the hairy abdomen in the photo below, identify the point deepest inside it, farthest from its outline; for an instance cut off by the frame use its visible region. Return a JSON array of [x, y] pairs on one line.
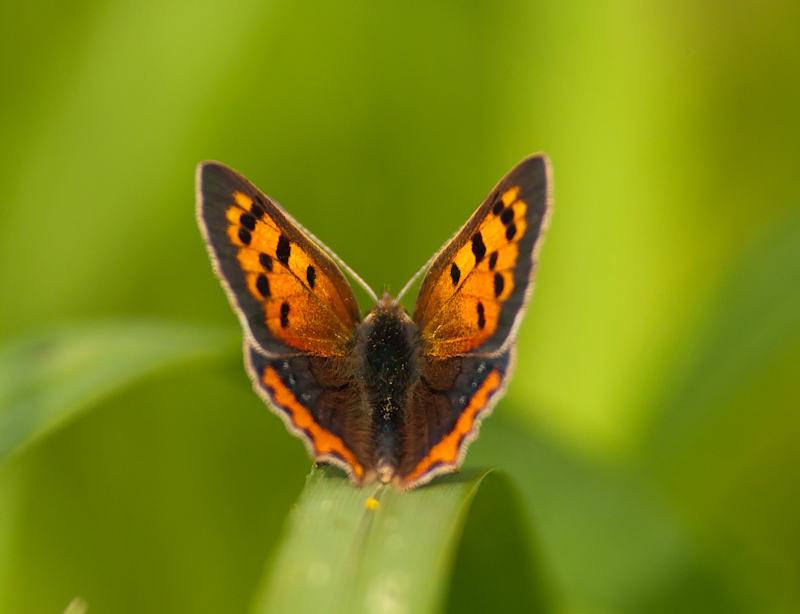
[[389, 364]]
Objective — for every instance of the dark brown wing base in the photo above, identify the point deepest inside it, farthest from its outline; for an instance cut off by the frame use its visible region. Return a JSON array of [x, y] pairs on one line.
[[444, 414], [320, 401]]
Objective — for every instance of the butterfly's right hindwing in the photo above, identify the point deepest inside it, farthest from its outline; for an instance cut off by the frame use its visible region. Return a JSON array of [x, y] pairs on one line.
[[320, 403]]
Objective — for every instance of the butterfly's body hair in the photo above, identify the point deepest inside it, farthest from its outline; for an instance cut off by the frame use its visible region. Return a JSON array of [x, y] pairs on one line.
[[387, 363]]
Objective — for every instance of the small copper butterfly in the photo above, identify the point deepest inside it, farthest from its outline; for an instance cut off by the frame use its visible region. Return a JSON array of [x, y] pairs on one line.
[[391, 397]]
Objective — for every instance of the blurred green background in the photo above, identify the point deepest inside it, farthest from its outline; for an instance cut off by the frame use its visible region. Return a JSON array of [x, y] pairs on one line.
[[652, 426]]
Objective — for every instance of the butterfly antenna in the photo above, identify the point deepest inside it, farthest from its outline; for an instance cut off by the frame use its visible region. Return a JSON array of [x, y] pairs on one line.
[[424, 268], [350, 271], [416, 276], [336, 258]]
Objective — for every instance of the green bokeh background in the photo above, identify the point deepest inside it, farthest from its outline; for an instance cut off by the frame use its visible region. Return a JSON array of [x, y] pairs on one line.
[[652, 426]]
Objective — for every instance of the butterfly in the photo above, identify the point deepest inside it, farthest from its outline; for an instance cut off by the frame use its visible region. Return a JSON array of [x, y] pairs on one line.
[[391, 396]]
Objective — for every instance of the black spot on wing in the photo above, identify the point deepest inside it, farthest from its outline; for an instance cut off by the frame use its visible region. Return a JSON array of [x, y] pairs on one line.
[[507, 216], [455, 273], [511, 231], [266, 261], [284, 315], [481, 316], [499, 284], [262, 283], [245, 236], [498, 205], [478, 247], [311, 276], [284, 250], [257, 209], [248, 221], [492, 261]]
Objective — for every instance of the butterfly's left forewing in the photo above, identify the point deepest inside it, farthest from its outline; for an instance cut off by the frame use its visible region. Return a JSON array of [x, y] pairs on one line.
[[469, 307], [478, 286], [298, 314]]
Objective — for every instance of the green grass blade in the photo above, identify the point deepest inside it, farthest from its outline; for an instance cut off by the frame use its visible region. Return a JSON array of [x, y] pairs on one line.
[[340, 556], [48, 379], [500, 565]]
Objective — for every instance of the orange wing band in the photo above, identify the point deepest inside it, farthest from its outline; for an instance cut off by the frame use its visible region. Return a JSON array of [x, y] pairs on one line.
[[324, 441], [447, 450]]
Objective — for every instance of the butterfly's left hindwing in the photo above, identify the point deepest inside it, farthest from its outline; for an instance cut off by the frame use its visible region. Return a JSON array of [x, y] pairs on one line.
[[477, 288], [288, 293], [445, 411]]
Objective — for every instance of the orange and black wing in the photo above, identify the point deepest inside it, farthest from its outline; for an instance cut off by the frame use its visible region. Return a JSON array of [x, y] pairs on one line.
[[476, 291], [297, 311], [470, 305], [288, 293]]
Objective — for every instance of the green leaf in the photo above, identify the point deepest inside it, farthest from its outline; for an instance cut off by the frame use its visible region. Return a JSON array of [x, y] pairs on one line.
[[756, 323], [723, 444], [340, 555], [500, 567], [48, 379]]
